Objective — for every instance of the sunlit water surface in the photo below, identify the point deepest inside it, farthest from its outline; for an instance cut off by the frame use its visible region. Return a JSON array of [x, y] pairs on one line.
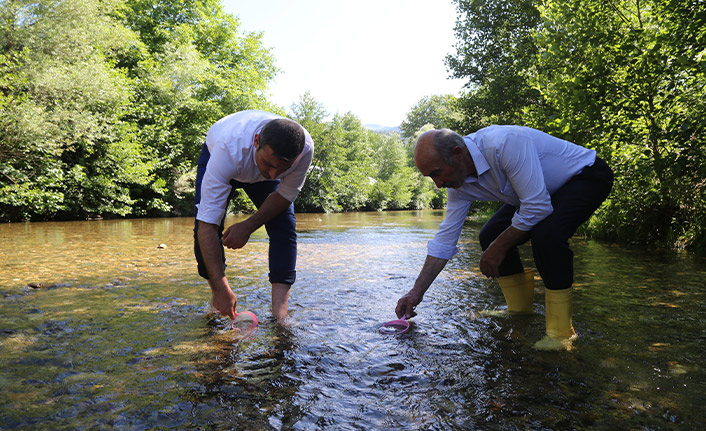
[[118, 336]]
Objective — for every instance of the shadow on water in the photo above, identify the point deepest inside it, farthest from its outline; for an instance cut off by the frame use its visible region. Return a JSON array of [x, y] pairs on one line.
[[119, 335]]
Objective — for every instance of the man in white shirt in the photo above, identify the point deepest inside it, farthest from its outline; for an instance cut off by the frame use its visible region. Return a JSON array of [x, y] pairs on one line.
[[268, 157], [549, 187]]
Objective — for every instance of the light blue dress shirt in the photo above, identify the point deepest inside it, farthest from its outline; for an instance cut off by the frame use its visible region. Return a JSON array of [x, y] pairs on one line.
[[515, 165]]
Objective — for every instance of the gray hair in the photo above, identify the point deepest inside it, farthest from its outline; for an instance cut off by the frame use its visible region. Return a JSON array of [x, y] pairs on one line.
[[445, 141]]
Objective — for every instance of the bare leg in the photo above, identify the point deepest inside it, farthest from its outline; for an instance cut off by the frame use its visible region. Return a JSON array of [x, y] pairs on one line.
[[280, 301]]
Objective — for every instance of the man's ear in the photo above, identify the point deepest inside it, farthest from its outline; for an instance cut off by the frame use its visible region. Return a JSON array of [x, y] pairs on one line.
[[256, 143]]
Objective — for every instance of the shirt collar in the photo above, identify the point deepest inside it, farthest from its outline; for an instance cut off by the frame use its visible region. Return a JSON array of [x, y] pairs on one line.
[[478, 159]]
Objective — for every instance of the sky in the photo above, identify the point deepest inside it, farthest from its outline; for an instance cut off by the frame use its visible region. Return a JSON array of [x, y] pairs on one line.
[[374, 58]]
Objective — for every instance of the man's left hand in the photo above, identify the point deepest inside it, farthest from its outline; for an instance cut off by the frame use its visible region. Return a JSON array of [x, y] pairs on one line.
[[490, 261], [237, 235], [494, 255]]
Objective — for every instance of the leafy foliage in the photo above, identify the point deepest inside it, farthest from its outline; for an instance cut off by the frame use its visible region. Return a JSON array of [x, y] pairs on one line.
[[441, 111], [494, 50], [66, 150], [194, 68], [628, 79], [104, 104], [355, 168], [623, 77]]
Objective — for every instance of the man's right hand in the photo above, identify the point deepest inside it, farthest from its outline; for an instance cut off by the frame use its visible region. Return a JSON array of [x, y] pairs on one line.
[[432, 267], [406, 304], [224, 301], [223, 298]]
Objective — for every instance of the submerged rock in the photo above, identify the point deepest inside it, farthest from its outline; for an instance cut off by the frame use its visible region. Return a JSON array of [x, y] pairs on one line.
[[36, 285]]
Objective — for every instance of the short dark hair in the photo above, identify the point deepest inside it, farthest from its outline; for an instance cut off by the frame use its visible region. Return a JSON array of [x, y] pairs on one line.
[[445, 141], [285, 137]]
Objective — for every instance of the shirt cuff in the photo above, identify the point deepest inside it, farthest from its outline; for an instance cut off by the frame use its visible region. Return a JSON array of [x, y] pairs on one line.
[[209, 215], [434, 249], [289, 193], [527, 220]]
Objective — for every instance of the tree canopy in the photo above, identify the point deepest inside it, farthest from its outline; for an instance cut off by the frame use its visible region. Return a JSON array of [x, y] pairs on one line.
[[104, 106], [355, 168], [623, 77]]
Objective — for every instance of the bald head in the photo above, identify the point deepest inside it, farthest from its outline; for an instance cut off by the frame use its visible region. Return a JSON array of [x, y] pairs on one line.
[[424, 150], [442, 155], [443, 141]]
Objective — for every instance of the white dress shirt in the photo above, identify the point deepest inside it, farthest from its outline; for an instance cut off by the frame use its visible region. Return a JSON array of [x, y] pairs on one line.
[[515, 165], [231, 144]]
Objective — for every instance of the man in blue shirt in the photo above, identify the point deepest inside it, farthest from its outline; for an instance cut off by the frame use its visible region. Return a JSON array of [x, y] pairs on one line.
[[548, 186]]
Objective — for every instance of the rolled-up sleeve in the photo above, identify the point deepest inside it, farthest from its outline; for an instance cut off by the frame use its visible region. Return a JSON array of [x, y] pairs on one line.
[[443, 245], [215, 186], [520, 162]]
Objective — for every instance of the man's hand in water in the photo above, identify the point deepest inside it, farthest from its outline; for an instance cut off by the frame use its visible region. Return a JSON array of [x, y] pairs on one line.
[[224, 301], [407, 304]]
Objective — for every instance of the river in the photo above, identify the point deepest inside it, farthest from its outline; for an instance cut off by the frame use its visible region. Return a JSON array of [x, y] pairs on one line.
[[115, 334]]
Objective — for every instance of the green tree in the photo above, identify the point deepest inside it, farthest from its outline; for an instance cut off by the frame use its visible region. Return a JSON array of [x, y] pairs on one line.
[[394, 180], [628, 78], [196, 67], [104, 105], [317, 193], [441, 111], [65, 149], [355, 168], [495, 48], [357, 171], [425, 194]]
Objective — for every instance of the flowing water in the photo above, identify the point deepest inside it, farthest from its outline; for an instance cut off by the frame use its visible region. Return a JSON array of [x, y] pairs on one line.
[[116, 334]]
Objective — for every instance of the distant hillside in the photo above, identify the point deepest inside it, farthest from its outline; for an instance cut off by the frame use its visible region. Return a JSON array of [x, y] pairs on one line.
[[382, 129]]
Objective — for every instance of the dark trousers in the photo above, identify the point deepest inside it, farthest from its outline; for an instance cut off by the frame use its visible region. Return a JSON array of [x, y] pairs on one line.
[[281, 229], [573, 203]]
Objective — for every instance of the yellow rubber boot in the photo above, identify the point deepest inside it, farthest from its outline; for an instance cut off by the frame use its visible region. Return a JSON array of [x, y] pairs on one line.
[[518, 291], [560, 331]]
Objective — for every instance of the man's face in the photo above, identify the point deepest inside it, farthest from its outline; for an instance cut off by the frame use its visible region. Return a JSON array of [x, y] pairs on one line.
[[444, 175], [269, 165]]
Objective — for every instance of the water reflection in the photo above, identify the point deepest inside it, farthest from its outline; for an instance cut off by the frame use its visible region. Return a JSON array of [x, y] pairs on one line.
[[120, 336]]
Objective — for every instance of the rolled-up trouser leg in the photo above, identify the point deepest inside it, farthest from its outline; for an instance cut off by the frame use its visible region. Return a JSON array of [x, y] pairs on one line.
[[282, 233]]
